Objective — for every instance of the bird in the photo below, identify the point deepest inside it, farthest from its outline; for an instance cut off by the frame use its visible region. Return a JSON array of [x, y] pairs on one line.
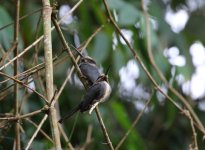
[[96, 94], [88, 68]]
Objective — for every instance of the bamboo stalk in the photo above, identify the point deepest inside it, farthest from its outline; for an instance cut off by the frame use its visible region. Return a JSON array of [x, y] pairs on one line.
[[47, 10]]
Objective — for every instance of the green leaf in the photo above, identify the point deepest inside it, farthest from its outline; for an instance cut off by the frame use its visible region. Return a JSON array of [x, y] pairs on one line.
[[6, 34], [101, 47], [128, 15], [116, 4]]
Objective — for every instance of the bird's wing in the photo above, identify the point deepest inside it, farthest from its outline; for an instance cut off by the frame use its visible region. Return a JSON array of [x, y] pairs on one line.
[[89, 71], [93, 95]]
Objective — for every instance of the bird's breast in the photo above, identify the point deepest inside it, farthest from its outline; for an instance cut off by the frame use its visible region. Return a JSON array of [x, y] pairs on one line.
[[107, 91]]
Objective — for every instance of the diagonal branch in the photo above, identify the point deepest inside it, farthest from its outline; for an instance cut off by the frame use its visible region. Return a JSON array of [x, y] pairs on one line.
[[133, 124], [161, 76], [21, 83], [36, 132]]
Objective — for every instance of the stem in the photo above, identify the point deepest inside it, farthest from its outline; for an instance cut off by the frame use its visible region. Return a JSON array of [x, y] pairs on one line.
[[47, 10], [36, 132], [16, 86], [103, 128]]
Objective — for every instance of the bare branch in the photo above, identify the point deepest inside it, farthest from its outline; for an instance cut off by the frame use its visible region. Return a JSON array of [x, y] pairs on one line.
[[36, 132]]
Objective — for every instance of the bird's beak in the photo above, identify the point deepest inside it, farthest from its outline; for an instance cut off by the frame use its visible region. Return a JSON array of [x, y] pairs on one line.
[[106, 73]]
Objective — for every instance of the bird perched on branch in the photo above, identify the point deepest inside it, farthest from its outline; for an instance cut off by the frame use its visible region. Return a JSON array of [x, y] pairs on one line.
[[88, 68], [96, 94]]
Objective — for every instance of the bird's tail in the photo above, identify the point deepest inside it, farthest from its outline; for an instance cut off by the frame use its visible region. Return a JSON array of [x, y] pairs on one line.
[[69, 114]]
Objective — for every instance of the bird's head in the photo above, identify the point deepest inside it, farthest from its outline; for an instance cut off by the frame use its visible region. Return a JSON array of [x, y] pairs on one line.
[[104, 77]]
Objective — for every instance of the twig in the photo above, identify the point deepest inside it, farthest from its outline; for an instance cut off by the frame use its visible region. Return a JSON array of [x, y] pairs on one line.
[[16, 85], [103, 128], [36, 132], [23, 17], [44, 109], [187, 113], [47, 10], [133, 125], [161, 76], [6, 55], [88, 138], [40, 38], [45, 134], [65, 137], [21, 83], [60, 33]]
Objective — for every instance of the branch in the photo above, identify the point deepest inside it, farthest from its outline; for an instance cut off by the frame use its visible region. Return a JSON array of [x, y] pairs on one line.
[[133, 124], [16, 85], [40, 38], [104, 128], [45, 134], [138, 58], [36, 132], [44, 109], [63, 40], [47, 10], [160, 74], [21, 83]]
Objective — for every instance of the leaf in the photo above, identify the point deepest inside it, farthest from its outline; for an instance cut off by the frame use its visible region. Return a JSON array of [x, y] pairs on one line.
[[128, 15], [6, 34], [116, 4], [101, 47]]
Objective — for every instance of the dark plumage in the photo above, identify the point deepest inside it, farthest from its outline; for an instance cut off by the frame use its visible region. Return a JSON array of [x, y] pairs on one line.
[[96, 94]]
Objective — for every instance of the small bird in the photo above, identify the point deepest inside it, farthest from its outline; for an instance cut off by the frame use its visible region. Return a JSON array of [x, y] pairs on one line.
[[88, 68], [96, 94]]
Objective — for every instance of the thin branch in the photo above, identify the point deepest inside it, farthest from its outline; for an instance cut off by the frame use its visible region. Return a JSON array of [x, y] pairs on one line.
[[47, 10], [16, 85], [138, 58], [23, 17], [6, 55], [104, 128], [40, 38], [88, 140], [44, 133], [36, 132], [133, 124], [21, 83], [160, 74], [65, 137], [63, 40], [187, 113], [22, 53], [44, 109]]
